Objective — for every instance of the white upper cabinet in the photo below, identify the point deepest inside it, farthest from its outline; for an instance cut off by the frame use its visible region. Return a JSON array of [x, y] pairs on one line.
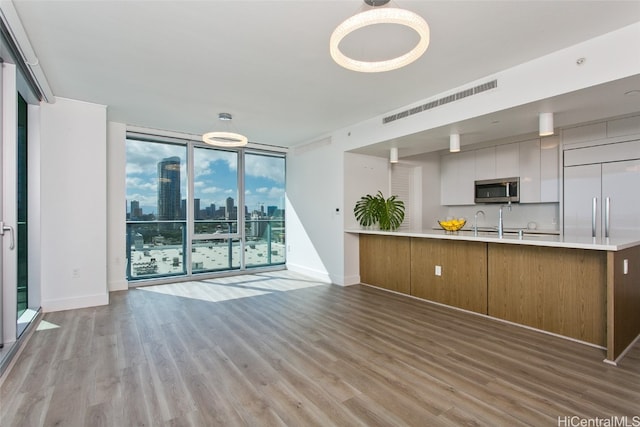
[[486, 163], [529, 157], [539, 170], [535, 162], [458, 174], [550, 170], [507, 160]]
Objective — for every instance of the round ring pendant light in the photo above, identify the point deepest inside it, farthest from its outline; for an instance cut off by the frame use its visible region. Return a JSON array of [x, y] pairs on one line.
[[379, 15], [225, 139]]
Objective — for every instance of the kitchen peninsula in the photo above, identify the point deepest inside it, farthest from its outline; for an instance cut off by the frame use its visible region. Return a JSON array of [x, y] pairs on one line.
[[581, 288]]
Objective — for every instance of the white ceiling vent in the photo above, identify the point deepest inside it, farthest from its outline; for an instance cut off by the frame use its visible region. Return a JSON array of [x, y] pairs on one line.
[[445, 100]]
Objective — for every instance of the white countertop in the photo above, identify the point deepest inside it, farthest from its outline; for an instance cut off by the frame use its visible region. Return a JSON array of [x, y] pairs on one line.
[[554, 241]]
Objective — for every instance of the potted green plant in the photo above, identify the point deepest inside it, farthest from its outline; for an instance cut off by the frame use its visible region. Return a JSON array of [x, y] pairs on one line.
[[387, 213]]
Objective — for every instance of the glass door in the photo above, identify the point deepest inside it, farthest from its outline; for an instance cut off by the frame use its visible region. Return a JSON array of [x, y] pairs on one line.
[[6, 230], [16, 313], [19, 300], [8, 210], [24, 313]]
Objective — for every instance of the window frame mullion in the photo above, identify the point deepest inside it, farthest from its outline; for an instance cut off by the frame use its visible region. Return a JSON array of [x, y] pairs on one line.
[[189, 217], [241, 207]]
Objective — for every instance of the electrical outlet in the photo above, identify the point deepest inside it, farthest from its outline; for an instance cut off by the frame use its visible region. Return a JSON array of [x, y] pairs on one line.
[[625, 266], [438, 270], [75, 273]]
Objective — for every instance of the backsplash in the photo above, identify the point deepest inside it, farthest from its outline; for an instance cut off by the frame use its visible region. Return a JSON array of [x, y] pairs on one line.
[[545, 215]]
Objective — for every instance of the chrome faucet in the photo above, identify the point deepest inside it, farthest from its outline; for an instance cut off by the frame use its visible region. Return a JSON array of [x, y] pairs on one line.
[[500, 223], [475, 222]]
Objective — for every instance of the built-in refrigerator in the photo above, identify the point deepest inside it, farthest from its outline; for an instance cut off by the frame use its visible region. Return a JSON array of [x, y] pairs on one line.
[[602, 199]]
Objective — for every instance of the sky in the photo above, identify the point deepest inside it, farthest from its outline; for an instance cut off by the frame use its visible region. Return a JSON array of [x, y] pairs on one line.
[[215, 172]]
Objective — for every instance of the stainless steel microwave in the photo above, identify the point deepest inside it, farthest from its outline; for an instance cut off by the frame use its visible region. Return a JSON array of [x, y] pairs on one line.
[[502, 190]]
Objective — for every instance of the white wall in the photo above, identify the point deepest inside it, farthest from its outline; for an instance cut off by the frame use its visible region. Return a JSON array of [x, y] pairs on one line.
[[362, 175], [314, 191], [315, 180], [73, 182], [116, 203]]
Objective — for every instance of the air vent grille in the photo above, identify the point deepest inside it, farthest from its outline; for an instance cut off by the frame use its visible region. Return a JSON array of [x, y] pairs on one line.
[[445, 100]]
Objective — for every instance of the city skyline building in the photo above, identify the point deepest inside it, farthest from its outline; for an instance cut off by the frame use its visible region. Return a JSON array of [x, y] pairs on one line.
[[196, 209], [136, 211], [229, 208], [169, 188]]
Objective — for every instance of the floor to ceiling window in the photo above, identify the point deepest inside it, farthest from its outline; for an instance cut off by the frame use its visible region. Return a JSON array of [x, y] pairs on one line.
[[264, 195], [195, 209]]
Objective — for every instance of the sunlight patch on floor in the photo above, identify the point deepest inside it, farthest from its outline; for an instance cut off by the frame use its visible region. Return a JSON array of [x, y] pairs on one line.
[[234, 287], [44, 325], [203, 291]]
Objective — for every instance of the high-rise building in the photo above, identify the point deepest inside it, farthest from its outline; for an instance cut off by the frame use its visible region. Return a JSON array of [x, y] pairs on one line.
[[183, 209], [169, 188], [271, 210], [257, 227], [136, 211], [210, 211], [229, 211], [196, 209]]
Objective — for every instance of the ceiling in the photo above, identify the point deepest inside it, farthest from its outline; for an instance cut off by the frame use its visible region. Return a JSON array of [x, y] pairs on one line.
[[175, 64]]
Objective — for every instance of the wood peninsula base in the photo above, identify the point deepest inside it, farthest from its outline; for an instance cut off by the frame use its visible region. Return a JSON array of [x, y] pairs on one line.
[[578, 293]]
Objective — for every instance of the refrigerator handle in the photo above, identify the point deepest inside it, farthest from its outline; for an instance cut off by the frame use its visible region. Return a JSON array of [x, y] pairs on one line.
[[594, 213], [607, 217]]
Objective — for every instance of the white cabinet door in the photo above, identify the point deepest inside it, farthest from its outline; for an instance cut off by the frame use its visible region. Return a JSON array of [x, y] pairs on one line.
[[530, 171], [457, 178], [621, 186], [549, 170], [507, 161], [581, 185], [486, 163]]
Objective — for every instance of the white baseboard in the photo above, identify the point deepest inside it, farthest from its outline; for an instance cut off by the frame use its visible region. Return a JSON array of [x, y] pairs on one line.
[[118, 285], [76, 302], [351, 280], [321, 276]]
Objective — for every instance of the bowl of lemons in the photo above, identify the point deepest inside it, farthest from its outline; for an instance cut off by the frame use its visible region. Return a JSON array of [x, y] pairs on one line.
[[452, 224]]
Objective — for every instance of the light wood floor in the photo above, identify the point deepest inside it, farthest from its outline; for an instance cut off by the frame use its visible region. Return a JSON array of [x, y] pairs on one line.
[[278, 349]]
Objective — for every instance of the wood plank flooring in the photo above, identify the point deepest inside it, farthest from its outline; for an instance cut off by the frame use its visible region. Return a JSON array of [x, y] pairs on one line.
[[277, 349]]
